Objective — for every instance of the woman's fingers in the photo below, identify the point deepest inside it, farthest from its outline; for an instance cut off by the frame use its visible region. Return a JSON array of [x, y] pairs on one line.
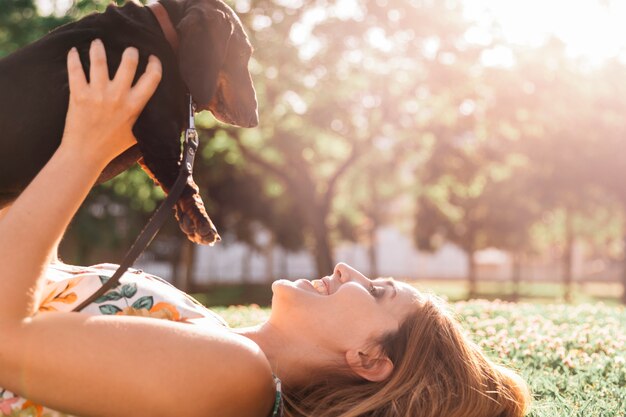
[[105, 110], [99, 73], [75, 73], [127, 69], [147, 83], [121, 83]]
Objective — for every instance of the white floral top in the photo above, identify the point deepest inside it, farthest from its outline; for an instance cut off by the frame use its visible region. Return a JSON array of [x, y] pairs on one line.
[[137, 294]]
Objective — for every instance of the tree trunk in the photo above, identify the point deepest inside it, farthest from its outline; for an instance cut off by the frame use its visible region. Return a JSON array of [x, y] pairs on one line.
[[624, 272], [183, 278], [174, 261], [568, 257], [245, 265], [316, 214], [517, 275], [322, 248], [323, 251], [269, 260], [374, 216], [372, 252], [284, 266], [471, 274]]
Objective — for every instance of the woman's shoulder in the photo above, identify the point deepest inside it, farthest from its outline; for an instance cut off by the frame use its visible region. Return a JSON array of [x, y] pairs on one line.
[[263, 391], [232, 377]]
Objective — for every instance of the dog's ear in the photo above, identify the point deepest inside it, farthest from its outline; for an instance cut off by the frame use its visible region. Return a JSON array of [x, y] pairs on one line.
[[204, 36]]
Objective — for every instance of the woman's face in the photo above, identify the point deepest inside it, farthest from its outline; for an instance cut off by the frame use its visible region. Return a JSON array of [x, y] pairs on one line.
[[343, 311]]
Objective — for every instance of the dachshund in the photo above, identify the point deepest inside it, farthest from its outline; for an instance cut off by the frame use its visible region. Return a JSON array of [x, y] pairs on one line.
[[207, 58]]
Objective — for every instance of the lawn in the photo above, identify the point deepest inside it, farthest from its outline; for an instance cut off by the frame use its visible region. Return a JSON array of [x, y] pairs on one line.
[[533, 292], [574, 357]]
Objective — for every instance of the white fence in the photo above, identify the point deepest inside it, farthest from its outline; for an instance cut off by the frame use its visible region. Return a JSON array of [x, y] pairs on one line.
[[235, 262]]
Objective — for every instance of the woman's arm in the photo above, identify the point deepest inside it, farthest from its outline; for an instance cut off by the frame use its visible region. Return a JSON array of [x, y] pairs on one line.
[[98, 127], [53, 256], [107, 365]]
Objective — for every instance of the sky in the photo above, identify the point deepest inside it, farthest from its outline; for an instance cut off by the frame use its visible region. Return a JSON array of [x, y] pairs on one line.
[[591, 29]]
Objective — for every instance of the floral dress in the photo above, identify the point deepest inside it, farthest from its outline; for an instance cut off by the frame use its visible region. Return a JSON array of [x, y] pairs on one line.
[[137, 294]]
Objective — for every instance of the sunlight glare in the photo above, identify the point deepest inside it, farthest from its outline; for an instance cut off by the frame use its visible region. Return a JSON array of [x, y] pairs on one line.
[[377, 38], [57, 7], [347, 9], [590, 29], [499, 56]]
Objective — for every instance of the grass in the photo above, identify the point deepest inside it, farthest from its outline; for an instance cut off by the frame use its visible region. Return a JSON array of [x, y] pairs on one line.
[[573, 356], [535, 292]]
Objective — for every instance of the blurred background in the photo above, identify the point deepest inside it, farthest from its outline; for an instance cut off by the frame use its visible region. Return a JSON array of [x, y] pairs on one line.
[[474, 147]]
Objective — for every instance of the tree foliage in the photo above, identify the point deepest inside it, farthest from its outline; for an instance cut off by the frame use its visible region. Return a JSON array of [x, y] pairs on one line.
[[385, 112]]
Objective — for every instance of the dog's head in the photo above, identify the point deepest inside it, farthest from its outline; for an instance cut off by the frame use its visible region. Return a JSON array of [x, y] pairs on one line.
[[213, 58]]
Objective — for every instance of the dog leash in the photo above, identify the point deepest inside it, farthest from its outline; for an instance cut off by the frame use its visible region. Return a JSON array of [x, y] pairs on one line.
[[163, 212]]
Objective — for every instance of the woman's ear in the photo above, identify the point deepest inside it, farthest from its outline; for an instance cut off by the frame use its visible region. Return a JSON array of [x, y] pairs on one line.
[[204, 36], [372, 365]]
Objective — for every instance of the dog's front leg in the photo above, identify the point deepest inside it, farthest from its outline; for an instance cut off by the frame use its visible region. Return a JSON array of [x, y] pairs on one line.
[[189, 210], [121, 163], [160, 147]]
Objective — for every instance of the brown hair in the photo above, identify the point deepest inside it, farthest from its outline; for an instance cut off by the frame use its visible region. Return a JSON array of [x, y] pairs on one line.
[[438, 372]]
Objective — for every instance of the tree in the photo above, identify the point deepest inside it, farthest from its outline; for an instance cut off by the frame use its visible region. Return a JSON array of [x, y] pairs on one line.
[[562, 134], [474, 203], [605, 159], [20, 24], [337, 87]]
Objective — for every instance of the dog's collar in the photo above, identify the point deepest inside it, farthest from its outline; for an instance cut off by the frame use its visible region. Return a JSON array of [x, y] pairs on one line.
[[166, 24]]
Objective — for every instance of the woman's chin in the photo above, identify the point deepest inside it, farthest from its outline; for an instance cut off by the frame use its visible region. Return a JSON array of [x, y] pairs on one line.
[[282, 285]]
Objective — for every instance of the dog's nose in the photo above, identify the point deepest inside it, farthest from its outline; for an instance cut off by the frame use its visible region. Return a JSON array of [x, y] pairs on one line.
[[254, 120]]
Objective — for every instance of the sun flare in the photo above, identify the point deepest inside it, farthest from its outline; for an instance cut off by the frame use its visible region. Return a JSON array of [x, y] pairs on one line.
[[591, 29]]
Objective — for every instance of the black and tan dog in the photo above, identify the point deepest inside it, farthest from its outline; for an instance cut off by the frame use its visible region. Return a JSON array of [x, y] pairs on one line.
[[207, 54]]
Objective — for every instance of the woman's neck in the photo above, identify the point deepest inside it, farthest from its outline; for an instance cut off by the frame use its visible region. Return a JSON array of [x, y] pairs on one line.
[[292, 359]]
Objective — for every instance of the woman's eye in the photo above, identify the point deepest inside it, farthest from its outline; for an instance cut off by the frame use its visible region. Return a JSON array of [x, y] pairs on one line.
[[376, 292]]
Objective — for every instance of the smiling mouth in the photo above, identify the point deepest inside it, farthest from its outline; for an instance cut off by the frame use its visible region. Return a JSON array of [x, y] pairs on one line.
[[321, 286]]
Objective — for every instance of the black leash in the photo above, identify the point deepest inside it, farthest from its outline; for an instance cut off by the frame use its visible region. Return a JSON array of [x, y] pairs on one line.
[[163, 212]]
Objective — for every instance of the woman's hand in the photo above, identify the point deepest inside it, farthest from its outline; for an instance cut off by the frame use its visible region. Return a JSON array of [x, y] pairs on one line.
[[102, 112]]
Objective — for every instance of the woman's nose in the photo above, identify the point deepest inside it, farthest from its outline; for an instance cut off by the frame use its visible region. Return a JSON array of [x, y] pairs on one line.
[[340, 271], [346, 273]]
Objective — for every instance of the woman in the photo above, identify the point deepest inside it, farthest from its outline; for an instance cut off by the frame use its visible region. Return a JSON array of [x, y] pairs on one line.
[[343, 345]]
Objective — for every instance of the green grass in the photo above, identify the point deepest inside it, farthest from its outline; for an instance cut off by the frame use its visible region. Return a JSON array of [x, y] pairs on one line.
[[573, 357], [535, 292]]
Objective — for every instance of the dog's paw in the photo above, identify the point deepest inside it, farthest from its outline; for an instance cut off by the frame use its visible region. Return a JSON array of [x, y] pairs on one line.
[[198, 227]]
